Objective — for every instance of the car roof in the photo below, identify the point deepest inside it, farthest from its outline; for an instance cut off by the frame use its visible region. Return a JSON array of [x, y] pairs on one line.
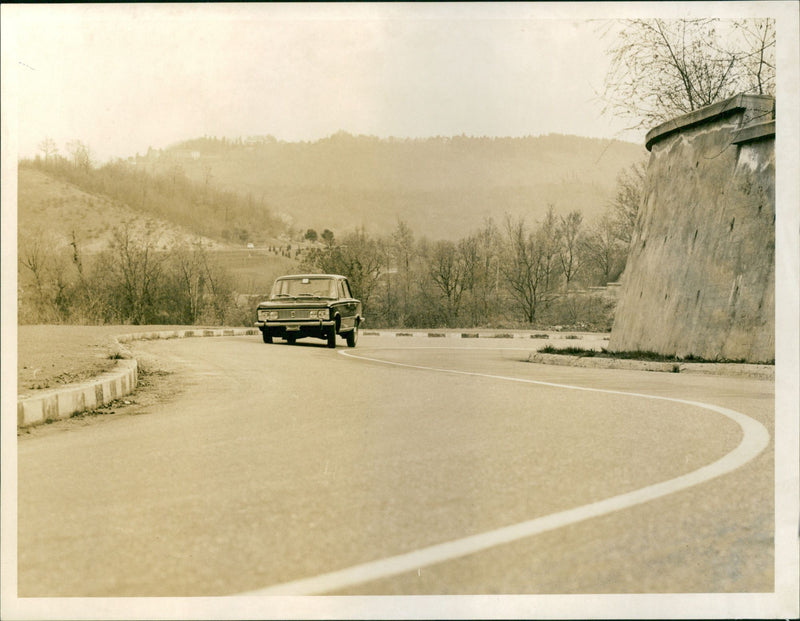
[[311, 276]]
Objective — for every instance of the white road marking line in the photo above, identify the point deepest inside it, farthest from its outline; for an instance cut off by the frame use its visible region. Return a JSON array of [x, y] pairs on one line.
[[755, 439]]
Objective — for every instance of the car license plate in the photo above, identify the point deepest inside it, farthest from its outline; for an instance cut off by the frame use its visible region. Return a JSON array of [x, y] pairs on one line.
[[292, 327]]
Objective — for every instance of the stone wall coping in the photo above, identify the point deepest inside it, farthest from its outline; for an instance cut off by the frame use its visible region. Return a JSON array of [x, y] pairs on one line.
[[724, 108]]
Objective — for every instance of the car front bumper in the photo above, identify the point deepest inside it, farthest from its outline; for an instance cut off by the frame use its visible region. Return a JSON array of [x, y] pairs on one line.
[[290, 325]]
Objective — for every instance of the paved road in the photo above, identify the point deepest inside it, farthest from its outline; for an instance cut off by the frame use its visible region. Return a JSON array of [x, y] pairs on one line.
[[279, 463]]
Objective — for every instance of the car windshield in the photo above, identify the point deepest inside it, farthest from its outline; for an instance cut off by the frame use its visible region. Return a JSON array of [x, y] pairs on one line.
[[304, 287]]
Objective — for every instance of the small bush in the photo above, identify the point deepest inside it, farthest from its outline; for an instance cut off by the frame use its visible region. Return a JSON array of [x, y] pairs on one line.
[[570, 351]]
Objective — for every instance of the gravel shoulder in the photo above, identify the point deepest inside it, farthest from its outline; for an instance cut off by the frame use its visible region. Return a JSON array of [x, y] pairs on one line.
[[49, 356]]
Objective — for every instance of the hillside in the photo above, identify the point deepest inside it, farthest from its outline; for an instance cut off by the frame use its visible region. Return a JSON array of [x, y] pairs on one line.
[[442, 187], [49, 210], [56, 208]]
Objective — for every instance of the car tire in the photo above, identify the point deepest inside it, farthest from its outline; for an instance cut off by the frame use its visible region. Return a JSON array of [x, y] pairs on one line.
[[266, 336], [331, 336], [352, 337]]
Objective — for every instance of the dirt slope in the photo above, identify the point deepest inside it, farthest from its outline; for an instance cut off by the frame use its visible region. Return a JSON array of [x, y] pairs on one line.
[[54, 208]]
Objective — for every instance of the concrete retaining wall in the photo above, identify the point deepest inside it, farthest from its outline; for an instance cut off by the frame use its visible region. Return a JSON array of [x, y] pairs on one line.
[[700, 274]]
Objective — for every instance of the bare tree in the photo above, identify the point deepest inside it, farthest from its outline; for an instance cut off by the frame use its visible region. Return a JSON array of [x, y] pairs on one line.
[[627, 199], [755, 54], [81, 155], [39, 254], [217, 286], [402, 256], [664, 68], [486, 281], [605, 254], [548, 240], [447, 272], [176, 173], [136, 270], [526, 266], [569, 255], [190, 268], [87, 303], [48, 148], [32, 254]]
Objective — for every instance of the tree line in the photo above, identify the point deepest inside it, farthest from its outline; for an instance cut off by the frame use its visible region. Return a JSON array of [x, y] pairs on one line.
[[130, 282], [511, 274]]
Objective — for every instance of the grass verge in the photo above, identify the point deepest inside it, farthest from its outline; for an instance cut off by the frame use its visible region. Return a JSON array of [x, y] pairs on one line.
[[648, 356]]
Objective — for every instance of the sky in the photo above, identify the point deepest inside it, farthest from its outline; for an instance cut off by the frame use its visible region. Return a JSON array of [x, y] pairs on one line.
[[122, 78]]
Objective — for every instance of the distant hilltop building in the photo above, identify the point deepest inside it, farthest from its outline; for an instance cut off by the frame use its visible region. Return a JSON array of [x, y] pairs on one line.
[[700, 277]]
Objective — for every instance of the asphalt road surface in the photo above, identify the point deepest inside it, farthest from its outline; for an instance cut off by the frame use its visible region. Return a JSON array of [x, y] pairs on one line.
[[404, 466]]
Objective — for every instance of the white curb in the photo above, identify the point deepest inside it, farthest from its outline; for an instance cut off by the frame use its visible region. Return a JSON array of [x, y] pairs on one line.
[[61, 403], [593, 336], [753, 371]]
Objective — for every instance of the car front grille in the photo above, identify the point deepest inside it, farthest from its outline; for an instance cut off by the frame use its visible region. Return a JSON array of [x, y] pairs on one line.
[[297, 313]]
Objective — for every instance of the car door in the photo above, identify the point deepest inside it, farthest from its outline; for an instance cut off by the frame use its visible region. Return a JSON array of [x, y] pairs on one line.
[[348, 306]]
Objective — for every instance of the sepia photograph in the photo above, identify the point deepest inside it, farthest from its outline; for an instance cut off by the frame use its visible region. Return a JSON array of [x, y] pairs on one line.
[[400, 310]]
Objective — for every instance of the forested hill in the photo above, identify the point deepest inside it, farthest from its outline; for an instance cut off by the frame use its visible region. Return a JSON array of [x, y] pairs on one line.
[[443, 188]]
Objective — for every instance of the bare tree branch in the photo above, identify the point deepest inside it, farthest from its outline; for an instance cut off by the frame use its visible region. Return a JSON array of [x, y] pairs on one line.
[[664, 68]]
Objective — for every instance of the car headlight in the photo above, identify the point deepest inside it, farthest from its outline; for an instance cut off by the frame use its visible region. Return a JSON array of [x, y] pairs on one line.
[[273, 315]]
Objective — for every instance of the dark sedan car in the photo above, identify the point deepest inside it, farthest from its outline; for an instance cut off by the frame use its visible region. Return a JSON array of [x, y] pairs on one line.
[[315, 305]]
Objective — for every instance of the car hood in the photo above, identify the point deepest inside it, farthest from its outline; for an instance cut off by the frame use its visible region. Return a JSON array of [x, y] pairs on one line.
[[295, 302]]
